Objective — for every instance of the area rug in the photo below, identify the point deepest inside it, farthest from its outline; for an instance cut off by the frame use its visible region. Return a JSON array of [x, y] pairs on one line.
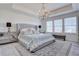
[[59, 48]]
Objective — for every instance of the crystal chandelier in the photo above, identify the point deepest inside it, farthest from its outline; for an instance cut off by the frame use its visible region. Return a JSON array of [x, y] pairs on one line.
[[43, 12]]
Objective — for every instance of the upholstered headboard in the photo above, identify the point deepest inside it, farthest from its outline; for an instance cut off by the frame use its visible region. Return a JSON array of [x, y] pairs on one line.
[[22, 26]]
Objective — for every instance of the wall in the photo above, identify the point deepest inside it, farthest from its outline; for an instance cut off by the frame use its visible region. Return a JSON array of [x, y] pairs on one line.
[[16, 17], [43, 28], [78, 27]]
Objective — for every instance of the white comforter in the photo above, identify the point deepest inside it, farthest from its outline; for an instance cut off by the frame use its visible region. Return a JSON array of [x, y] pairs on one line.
[[39, 36], [33, 41]]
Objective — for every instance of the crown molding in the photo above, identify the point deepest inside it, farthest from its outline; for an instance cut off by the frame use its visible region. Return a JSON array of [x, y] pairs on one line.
[[64, 10]]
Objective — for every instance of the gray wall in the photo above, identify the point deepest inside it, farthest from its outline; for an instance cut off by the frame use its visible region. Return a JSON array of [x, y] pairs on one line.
[[78, 27]]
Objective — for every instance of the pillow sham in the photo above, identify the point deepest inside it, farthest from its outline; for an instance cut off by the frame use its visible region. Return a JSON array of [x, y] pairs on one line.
[[28, 31]]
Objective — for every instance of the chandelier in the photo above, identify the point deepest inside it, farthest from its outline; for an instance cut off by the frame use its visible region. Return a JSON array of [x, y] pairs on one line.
[[43, 12]]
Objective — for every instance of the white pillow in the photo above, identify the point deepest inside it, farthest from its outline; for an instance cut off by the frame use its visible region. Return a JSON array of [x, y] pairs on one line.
[[27, 31]]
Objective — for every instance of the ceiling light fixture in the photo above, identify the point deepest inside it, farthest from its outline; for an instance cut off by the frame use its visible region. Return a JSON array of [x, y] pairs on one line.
[[43, 12]]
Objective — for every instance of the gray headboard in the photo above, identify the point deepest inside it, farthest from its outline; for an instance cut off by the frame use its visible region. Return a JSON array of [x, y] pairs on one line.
[[21, 26]]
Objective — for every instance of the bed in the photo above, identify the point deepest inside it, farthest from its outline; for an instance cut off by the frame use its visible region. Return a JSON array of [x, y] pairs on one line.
[[34, 41]]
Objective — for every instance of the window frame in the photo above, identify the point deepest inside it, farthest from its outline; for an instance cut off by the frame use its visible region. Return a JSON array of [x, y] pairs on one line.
[[52, 26], [75, 27], [62, 26]]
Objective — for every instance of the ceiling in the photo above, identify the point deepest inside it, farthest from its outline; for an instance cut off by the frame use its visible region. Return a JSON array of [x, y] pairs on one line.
[[34, 8]]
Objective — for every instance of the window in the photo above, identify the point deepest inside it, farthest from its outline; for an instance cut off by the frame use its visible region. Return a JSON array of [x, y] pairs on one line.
[[70, 25], [49, 26], [58, 25]]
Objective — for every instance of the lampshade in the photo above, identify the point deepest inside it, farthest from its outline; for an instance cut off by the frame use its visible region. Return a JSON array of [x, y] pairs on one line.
[[8, 24]]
